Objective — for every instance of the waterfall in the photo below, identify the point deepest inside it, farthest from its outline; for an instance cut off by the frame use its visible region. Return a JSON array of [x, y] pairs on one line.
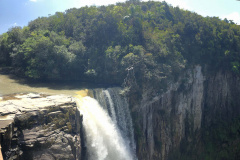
[[112, 110], [108, 125]]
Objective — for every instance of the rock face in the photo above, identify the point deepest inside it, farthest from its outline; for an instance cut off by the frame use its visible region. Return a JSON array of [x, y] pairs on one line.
[[35, 126], [197, 100]]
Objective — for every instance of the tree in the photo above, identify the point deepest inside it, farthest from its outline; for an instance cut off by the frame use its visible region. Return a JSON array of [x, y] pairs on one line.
[[4, 50], [134, 1]]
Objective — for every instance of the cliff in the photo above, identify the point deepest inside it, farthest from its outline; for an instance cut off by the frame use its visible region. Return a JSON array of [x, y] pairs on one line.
[[197, 117], [178, 122], [35, 126]]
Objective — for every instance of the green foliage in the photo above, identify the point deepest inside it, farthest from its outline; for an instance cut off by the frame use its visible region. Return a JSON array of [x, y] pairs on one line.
[[155, 39], [218, 141], [61, 120], [235, 66], [4, 53]]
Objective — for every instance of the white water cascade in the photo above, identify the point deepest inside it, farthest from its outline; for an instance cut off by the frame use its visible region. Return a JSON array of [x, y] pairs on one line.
[[105, 137], [117, 107], [112, 110]]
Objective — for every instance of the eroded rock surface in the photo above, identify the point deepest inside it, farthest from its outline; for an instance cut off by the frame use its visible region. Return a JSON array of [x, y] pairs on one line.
[[35, 126], [195, 101]]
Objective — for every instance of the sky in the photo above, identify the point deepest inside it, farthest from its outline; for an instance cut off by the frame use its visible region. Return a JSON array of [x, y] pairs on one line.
[[20, 12]]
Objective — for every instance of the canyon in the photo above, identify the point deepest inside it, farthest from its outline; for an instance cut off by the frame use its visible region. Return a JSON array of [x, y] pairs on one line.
[[50, 126]]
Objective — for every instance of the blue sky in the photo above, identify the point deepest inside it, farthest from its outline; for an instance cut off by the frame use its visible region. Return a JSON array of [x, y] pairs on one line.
[[20, 12]]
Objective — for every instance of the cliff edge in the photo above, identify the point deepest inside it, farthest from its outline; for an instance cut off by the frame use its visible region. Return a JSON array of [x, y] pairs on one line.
[[36, 126]]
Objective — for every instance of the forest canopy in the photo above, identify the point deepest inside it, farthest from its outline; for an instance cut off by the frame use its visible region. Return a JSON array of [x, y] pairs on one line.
[[141, 42]]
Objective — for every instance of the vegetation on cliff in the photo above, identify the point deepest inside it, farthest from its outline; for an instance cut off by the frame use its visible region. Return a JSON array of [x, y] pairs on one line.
[[220, 141], [141, 42], [136, 44]]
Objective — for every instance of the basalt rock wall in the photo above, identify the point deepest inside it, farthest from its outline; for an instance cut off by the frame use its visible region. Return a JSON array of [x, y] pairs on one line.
[[196, 101]]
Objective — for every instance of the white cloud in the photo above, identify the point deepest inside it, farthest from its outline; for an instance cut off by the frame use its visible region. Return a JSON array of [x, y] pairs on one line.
[[235, 16], [15, 24], [33, 0]]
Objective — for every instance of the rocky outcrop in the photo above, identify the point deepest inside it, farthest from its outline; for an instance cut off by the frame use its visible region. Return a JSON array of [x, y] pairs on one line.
[[194, 102], [35, 126]]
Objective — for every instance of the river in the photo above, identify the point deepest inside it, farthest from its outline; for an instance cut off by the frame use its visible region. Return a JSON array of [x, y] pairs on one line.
[[10, 85], [107, 122]]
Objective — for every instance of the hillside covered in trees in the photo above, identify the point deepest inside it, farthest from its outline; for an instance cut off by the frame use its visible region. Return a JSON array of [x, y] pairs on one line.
[[141, 42]]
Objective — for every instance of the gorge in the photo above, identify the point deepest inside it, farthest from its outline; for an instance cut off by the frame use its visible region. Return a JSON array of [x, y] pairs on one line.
[[163, 125], [134, 80]]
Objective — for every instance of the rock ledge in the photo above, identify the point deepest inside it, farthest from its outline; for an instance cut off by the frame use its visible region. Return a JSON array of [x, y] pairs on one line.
[[36, 126]]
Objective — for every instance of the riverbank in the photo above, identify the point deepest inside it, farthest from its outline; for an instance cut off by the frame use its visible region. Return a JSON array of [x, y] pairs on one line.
[[11, 83]]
